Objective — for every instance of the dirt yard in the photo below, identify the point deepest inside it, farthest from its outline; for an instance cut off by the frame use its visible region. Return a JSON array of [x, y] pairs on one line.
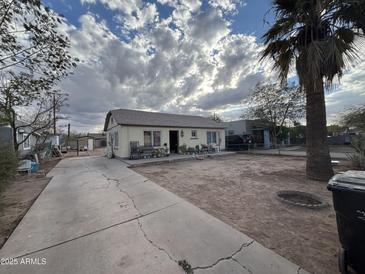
[[19, 196], [240, 190]]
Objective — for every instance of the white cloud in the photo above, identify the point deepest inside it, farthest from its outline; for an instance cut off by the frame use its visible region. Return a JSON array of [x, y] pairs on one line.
[[139, 18], [189, 62], [88, 2], [350, 91], [227, 5], [186, 63], [125, 6]]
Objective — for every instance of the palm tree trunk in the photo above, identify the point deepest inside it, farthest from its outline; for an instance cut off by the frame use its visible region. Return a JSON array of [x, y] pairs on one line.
[[318, 158]]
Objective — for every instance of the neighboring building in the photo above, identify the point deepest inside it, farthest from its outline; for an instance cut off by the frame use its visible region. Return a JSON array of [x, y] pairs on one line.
[[159, 129], [255, 128], [341, 136], [6, 135], [90, 141], [98, 140]]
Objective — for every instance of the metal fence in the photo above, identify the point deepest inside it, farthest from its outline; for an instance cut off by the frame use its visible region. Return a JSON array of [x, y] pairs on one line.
[[244, 147]]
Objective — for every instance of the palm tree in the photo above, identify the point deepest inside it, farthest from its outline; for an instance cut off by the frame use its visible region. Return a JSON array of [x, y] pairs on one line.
[[319, 37]]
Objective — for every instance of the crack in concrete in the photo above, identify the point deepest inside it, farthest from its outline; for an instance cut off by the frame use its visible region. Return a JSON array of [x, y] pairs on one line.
[[244, 267], [225, 258], [154, 244], [231, 257], [93, 232], [140, 225]]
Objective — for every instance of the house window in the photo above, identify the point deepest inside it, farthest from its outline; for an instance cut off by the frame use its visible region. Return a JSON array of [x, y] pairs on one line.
[[116, 139], [211, 137], [149, 141], [157, 138], [26, 144], [147, 138], [193, 133]]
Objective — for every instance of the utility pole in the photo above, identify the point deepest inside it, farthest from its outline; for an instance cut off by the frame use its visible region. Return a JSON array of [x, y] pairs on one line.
[[54, 113], [68, 133]]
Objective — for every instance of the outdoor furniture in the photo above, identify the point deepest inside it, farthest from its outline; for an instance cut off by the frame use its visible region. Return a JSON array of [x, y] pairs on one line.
[[217, 147], [139, 152], [147, 152], [25, 165], [211, 149], [205, 148]]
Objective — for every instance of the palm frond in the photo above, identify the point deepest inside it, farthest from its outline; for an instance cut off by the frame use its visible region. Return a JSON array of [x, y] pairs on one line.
[[319, 35]]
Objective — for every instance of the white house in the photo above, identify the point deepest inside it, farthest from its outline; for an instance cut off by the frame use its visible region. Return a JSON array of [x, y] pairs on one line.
[[159, 130], [6, 136]]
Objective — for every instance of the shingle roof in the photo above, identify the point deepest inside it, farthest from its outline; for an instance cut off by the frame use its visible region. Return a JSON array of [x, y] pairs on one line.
[[145, 118]]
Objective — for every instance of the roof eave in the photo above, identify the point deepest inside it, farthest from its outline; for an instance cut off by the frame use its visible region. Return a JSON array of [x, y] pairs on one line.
[[107, 120], [141, 125]]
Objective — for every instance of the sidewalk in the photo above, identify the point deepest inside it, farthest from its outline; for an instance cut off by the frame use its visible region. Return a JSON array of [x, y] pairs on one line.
[[98, 216]]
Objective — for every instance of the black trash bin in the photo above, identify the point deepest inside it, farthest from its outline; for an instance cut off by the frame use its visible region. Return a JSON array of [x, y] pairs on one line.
[[348, 192]]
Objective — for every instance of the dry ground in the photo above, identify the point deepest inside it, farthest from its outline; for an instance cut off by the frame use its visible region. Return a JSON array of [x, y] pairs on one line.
[[240, 190], [19, 196]]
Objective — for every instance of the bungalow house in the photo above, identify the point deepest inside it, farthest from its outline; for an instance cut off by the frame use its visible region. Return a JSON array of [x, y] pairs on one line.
[[152, 129]]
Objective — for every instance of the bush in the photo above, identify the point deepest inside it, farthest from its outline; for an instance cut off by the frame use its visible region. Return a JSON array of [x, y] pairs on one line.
[[197, 148], [8, 165], [358, 158]]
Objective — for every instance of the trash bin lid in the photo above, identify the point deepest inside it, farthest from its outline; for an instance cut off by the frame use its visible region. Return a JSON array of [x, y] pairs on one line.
[[353, 179]]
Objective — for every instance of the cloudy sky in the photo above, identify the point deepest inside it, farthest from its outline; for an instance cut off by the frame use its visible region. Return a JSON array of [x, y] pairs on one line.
[[176, 56]]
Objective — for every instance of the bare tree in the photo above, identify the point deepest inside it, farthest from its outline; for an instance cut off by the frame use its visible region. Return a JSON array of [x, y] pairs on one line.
[[34, 56], [38, 118], [31, 40], [354, 117], [216, 117], [276, 106]]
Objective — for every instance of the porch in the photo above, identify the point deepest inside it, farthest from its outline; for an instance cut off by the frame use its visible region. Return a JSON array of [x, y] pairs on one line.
[[174, 158]]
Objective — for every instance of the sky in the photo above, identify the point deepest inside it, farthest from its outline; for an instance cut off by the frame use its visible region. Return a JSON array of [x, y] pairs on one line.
[[176, 56]]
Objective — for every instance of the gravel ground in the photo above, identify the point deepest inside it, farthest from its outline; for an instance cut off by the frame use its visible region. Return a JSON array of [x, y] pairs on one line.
[[240, 190]]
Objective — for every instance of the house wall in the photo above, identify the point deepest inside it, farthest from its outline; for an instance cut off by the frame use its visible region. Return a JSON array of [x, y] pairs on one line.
[[127, 134], [6, 134], [23, 148], [236, 127]]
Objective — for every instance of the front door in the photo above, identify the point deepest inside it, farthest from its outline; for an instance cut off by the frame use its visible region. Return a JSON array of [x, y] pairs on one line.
[[174, 141]]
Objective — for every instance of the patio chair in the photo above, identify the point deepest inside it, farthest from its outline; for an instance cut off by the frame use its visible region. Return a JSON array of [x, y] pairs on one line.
[[205, 148], [217, 147], [135, 150], [211, 149]]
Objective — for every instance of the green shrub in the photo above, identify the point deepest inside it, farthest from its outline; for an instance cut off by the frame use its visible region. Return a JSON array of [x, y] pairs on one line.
[[8, 165], [358, 158]]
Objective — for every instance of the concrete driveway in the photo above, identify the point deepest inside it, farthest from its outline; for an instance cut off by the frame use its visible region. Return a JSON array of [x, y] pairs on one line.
[[98, 216]]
